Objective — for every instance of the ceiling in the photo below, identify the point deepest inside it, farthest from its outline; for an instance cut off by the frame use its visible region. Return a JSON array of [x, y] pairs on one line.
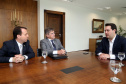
[[118, 7]]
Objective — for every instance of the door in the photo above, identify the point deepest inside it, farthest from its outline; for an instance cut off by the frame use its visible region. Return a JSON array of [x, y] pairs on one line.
[[56, 20]]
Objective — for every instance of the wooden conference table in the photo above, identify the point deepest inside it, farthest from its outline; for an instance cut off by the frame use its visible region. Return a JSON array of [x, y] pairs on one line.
[[34, 72]]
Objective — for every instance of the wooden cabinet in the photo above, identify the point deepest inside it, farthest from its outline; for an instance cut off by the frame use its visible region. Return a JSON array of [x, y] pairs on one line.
[[93, 43]]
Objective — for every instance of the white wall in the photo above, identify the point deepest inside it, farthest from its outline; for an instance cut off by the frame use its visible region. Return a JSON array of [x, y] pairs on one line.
[[78, 23], [122, 21]]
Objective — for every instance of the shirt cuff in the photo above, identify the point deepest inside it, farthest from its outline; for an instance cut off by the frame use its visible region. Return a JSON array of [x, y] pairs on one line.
[[112, 56], [55, 52], [26, 57], [11, 59], [99, 53]]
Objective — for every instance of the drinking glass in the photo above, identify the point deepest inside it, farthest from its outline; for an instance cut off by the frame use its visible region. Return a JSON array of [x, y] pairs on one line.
[[44, 54], [115, 67], [121, 56]]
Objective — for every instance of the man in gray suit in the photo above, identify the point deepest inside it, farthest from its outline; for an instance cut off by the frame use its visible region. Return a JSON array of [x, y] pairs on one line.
[[50, 44]]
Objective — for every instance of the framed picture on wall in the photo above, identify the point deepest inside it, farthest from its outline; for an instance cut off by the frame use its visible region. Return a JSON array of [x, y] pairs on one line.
[[97, 26]]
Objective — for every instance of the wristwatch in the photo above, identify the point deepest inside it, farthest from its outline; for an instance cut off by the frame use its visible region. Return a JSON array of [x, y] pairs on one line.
[[24, 57]]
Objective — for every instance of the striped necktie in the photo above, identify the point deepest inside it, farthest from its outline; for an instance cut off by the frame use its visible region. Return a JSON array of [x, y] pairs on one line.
[[54, 46]]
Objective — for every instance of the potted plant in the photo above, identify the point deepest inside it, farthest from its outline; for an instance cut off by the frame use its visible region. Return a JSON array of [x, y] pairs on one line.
[[121, 32]]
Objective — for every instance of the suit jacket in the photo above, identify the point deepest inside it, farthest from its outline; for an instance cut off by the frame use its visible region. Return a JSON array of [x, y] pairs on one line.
[[119, 45], [10, 48], [47, 46]]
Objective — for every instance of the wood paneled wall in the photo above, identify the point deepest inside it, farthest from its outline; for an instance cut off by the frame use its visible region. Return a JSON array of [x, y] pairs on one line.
[[28, 9]]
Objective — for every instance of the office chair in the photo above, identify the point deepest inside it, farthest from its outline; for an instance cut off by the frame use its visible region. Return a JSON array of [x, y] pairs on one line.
[[39, 52]]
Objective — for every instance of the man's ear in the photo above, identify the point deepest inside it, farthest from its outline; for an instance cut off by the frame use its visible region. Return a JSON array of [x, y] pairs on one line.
[[47, 35], [114, 30], [18, 36]]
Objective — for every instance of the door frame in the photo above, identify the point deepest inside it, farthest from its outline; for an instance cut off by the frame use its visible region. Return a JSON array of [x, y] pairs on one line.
[[63, 21]]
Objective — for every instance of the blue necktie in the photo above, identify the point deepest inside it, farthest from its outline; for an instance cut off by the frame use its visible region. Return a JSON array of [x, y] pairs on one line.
[[54, 47]]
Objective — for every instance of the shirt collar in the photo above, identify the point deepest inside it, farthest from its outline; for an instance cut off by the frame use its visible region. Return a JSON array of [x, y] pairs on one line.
[[50, 39], [18, 43]]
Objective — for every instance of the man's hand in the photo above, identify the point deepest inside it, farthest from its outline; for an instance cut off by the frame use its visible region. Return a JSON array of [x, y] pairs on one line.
[[62, 51], [18, 58], [104, 56]]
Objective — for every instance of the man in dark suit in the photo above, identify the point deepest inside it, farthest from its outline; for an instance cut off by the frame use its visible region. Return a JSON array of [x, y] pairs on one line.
[[18, 49], [111, 44], [50, 44]]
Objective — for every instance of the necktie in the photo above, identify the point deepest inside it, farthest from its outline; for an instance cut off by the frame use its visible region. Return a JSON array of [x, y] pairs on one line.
[[54, 46], [21, 49]]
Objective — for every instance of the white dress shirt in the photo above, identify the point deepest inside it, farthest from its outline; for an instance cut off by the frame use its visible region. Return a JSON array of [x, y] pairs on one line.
[[20, 46], [112, 56], [55, 51], [111, 48]]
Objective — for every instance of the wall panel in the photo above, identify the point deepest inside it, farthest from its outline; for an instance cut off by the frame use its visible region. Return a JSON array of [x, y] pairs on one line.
[[28, 9]]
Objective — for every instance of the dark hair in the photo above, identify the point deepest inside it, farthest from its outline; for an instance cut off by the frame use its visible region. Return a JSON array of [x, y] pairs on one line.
[[47, 30], [113, 26], [17, 31]]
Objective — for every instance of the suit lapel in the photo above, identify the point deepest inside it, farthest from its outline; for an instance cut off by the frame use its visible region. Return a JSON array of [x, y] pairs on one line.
[[49, 43], [56, 44], [107, 45], [16, 47], [24, 49], [115, 42]]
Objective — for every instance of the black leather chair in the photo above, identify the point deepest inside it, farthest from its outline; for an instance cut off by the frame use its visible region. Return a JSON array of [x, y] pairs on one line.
[[39, 52]]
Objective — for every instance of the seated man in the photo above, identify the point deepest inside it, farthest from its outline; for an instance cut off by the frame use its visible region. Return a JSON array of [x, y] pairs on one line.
[[50, 44], [18, 49], [111, 44]]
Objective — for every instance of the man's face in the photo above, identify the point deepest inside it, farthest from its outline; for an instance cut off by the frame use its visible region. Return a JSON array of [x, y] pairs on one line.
[[24, 36], [51, 35], [109, 32]]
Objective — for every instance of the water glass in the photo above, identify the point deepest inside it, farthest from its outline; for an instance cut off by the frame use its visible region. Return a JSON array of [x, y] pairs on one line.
[[115, 67], [44, 55], [121, 56]]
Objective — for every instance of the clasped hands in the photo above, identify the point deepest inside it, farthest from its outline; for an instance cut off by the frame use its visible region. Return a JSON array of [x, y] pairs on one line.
[[62, 51], [104, 56], [18, 58]]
